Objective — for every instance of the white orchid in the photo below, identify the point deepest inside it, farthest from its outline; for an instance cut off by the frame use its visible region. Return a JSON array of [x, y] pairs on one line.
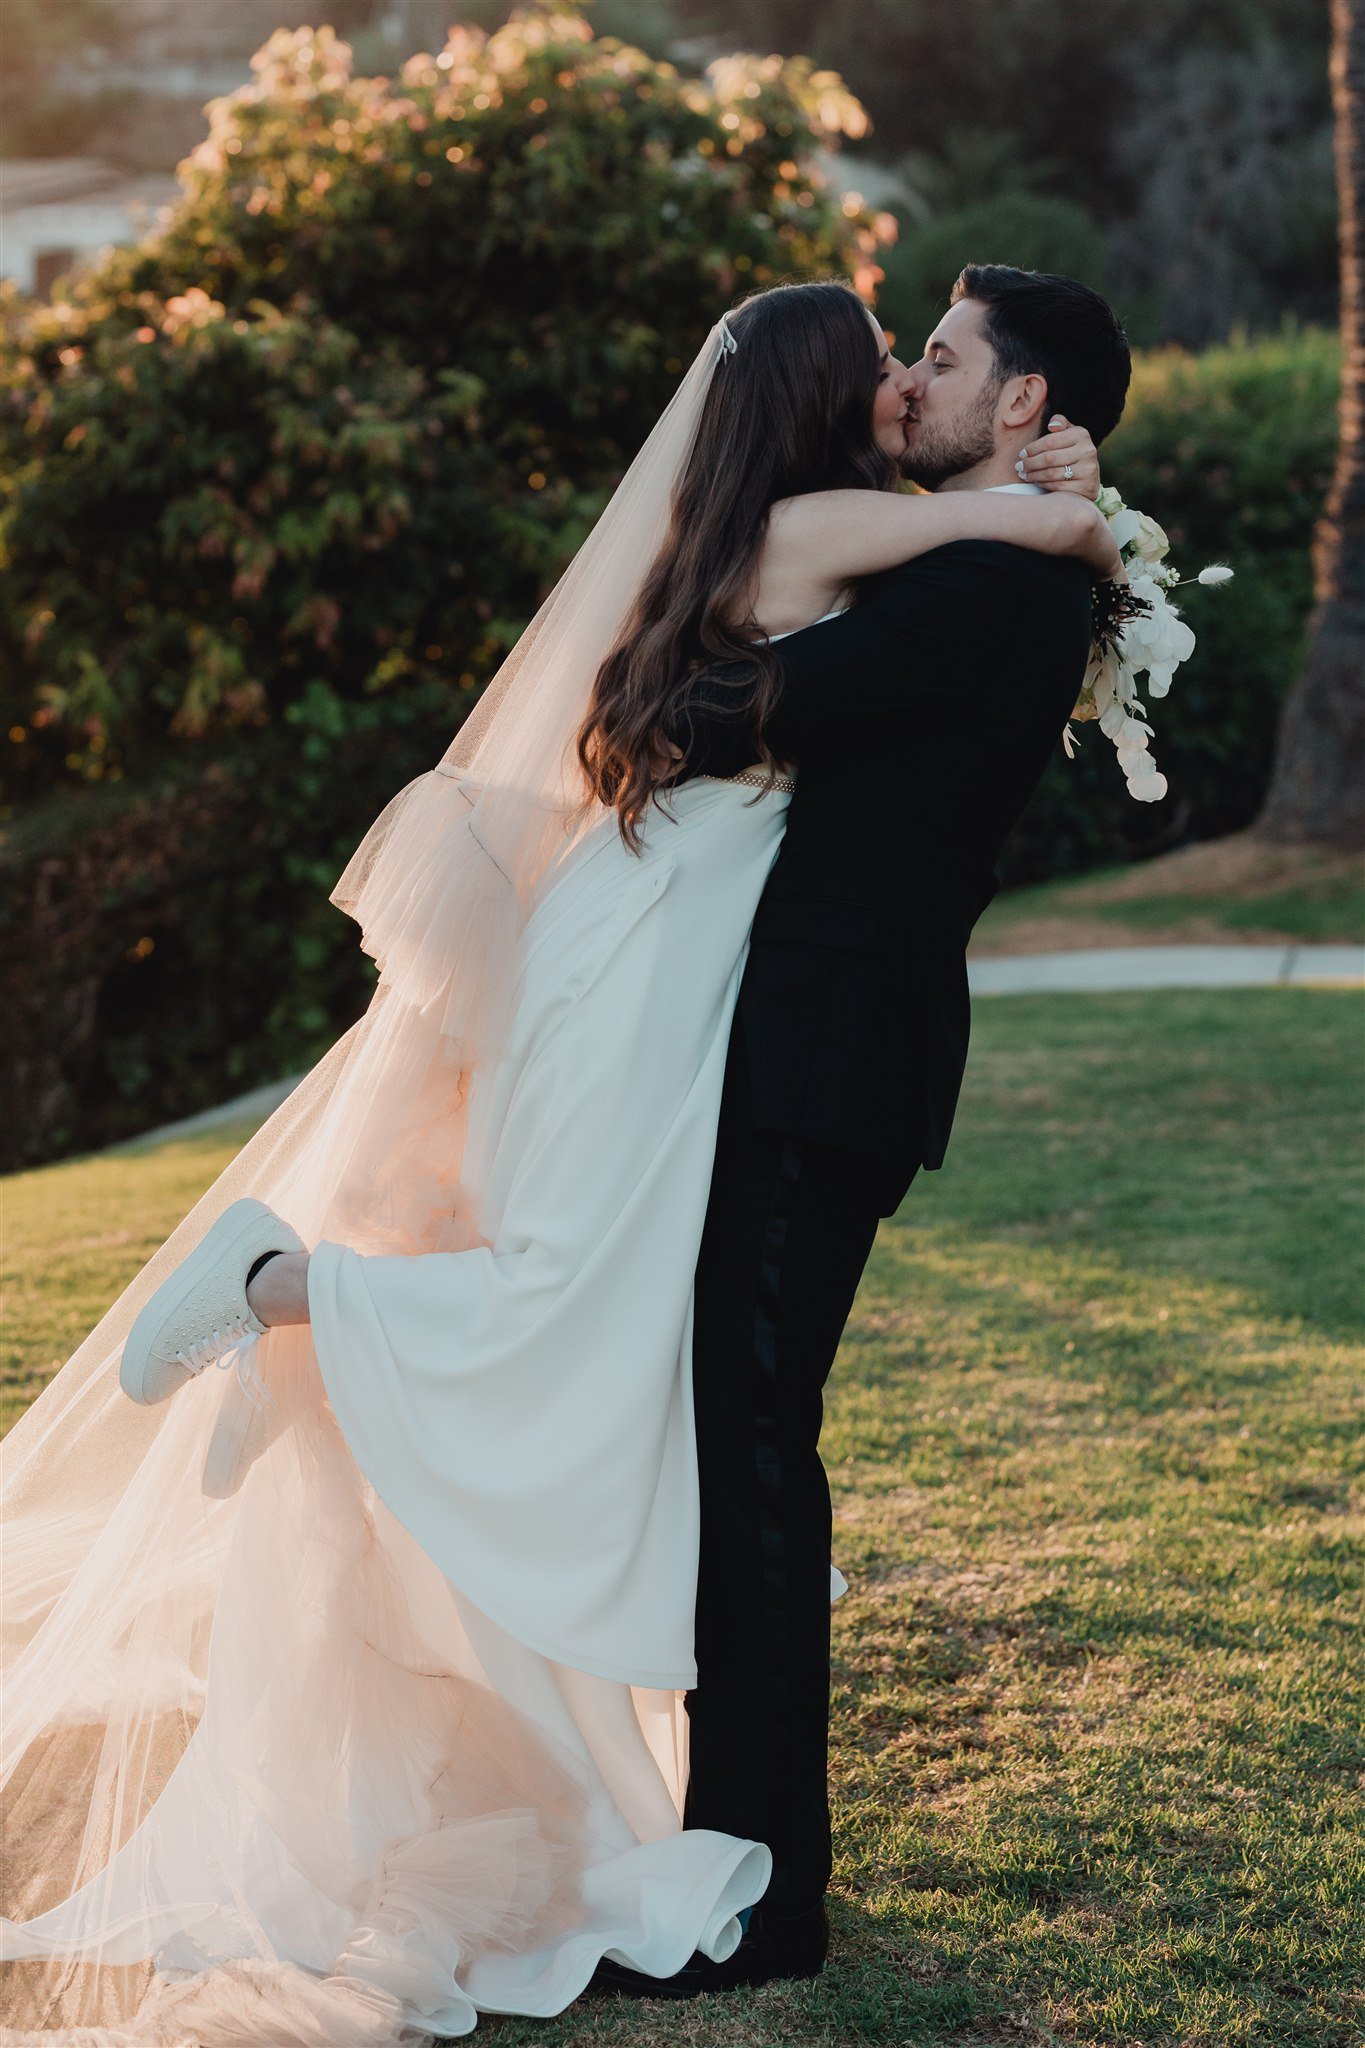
[[1158, 640], [1124, 527], [1151, 641]]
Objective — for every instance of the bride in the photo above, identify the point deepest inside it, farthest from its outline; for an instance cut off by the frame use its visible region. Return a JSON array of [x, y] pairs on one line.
[[344, 1690]]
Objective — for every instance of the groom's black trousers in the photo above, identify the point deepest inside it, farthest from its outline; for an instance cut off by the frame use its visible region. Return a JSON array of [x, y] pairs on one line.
[[788, 1230]]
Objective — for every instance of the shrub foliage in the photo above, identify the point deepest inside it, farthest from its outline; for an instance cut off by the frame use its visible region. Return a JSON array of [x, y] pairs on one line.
[[279, 486], [344, 418]]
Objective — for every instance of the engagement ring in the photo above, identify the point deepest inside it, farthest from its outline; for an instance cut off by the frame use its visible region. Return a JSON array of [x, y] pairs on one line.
[[1067, 473]]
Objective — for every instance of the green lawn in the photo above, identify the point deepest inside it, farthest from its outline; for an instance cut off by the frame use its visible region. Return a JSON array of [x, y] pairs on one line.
[[1228, 891], [74, 1236], [1091, 1433], [1327, 917], [1330, 918]]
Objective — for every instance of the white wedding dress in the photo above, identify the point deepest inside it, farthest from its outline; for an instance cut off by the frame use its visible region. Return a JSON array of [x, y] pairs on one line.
[[421, 1749]]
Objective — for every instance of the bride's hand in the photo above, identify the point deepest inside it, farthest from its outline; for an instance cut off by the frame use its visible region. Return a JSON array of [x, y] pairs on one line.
[[1062, 448]]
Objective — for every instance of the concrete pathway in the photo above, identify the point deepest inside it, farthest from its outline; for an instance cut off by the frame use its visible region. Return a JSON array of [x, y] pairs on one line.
[[1114, 968], [258, 1104], [1146, 967]]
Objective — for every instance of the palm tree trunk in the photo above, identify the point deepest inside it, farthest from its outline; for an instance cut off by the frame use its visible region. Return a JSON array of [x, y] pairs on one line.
[[1317, 790]]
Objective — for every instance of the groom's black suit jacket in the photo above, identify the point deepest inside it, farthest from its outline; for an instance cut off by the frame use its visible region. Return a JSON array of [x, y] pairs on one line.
[[920, 723]]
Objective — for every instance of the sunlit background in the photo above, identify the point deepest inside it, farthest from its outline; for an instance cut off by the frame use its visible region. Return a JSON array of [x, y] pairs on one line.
[[326, 338], [1179, 155]]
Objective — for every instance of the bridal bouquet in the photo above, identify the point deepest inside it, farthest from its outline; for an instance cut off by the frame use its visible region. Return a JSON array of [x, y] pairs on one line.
[[1137, 631]]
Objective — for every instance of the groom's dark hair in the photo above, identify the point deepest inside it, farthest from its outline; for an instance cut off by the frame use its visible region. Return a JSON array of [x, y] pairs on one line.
[[1057, 328]]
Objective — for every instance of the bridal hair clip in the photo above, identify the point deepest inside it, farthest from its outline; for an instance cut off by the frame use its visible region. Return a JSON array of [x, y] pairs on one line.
[[728, 344]]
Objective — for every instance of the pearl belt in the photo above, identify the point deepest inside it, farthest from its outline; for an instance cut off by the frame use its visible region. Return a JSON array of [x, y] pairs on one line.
[[757, 778]]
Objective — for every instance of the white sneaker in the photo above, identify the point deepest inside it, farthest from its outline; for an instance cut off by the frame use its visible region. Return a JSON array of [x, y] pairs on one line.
[[200, 1315]]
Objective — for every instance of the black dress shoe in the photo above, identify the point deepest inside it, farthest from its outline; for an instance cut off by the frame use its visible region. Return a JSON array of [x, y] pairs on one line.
[[790, 1945]]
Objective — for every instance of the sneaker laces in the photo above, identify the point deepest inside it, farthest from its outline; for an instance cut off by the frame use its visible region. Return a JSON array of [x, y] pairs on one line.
[[228, 1345]]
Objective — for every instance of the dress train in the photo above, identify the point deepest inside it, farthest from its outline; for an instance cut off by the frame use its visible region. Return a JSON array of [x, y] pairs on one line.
[[396, 1735]]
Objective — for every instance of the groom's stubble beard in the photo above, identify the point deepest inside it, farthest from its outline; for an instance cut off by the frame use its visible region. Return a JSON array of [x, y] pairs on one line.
[[954, 448]]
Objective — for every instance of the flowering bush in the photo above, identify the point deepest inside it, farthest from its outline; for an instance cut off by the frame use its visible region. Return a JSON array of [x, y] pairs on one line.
[[340, 422], [278, 487]]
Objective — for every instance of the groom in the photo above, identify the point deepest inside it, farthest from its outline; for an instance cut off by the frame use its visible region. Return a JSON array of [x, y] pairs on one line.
[[948, 690]]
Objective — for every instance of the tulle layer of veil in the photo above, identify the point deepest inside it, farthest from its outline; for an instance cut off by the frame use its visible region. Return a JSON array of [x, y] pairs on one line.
[[121, 1577]]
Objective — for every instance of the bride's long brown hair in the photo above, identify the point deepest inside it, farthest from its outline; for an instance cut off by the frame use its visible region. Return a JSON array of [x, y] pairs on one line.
[[789, 411]]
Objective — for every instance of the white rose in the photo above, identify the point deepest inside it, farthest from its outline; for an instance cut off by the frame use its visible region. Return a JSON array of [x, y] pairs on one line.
[[1150, 540], [1109, 501]]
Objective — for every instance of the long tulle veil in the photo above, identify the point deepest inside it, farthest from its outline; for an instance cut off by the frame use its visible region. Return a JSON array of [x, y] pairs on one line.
[[113, 1557]]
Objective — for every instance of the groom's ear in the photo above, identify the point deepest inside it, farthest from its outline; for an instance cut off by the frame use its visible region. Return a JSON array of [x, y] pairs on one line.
[[1023, 402]]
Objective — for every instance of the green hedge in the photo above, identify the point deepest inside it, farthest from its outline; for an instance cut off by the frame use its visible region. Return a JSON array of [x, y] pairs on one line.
[[340, 421], [279, 485], [1232, 450], [170, 941]]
